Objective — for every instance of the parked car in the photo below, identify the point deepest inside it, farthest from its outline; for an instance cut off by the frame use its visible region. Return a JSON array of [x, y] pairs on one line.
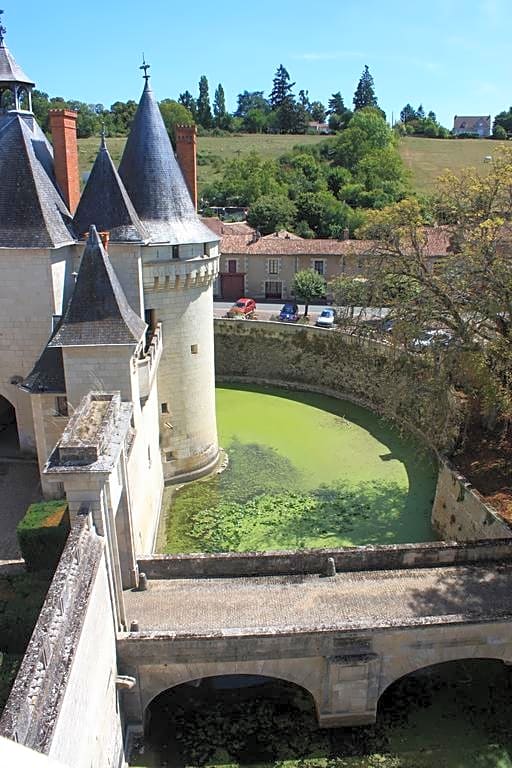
[[289, 313], [242, 308], [325, 319], [435, 337]]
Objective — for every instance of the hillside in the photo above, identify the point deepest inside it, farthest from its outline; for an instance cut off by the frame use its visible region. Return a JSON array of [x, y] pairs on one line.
[[426, 158]]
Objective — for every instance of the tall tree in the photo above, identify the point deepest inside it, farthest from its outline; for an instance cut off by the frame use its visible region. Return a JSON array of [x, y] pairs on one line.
[[204, 110], [281, 88], [336, 105], [317, 111], [364, 95], [173, 114], [219, 107], [420, 112], [308, 285], [249, 100], [188, 101], [407, 114]]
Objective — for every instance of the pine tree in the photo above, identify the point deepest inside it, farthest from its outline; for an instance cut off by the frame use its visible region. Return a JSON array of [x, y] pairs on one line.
[[204, 111], [407, 114], [336, 105], [188, 101], [364, 95], [420, 112], [281, 88], [219, 107]]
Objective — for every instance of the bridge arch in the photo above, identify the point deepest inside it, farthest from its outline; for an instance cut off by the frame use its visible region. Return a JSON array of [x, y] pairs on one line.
[[306, 673], [455, 655]]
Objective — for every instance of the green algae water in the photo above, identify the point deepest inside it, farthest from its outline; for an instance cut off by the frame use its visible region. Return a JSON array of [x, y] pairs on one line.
[[304, 470]]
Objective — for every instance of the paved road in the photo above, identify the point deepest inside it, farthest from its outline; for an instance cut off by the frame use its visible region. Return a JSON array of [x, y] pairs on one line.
[[267, 311], [349, 600]]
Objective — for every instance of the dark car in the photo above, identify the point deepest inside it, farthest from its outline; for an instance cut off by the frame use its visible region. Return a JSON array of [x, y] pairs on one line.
[[289, 313]]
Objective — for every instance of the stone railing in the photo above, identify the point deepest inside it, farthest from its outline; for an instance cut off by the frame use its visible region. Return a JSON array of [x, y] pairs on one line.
[[148, 364], [313, 561], [32, 709]]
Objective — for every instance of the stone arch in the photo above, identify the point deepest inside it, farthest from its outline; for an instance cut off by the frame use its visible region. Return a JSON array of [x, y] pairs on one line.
[[446, 656], [306, 673]]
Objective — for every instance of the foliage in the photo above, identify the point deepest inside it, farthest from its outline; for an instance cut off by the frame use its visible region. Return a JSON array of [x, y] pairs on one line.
[[281, 88], [187, 100], [222, 119], [364, 95], [504, 120], [308, 285], [499, 132], [42, 534], [244, 181], [349, 291], [21, 599], [270, 213], [470, 291], [204, 111], [173, 114]]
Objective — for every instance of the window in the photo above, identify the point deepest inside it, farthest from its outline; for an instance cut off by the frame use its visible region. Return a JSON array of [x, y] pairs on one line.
[[193, 349], [206, 249], [168, 455], [319, 266], [273, 289], [273, 266], [175, 251], [232, 266], [61, 406], [165, 408]]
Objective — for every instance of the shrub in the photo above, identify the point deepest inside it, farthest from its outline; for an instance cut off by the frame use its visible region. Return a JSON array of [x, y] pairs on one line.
[[42, 534]]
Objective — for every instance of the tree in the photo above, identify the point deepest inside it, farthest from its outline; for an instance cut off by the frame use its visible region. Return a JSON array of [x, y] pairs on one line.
[[219, 108], [188, 101], [505, 120], [281, 89], [432, 116], [420, 112], [364, 95], [499, 132], [204, 112], [308, 285], [255, 121], [317, 111], [270, 213], [174, 114], [249, 100], [470, 290], [349, 292], [407, 114]]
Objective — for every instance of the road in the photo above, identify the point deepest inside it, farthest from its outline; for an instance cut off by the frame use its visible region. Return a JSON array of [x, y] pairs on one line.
[[267, 311]]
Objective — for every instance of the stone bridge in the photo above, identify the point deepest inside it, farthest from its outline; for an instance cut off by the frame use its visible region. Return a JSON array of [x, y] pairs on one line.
[[344, 638]]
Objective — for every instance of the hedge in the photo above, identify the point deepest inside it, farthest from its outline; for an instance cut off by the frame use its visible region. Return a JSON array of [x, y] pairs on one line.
[[42, 534]]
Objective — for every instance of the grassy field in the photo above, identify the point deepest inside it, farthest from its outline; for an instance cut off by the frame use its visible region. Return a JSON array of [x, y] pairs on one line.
[[425, 158], [428, 158]]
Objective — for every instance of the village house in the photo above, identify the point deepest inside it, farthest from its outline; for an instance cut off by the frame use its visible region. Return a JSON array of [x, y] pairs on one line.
[[479, 125]]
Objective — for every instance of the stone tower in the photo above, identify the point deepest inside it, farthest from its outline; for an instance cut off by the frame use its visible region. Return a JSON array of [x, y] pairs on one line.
[[161, 248]]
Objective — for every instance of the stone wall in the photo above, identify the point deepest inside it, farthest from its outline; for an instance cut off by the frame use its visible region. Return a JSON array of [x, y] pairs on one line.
[[460, 513], [368, 558], [64, 699], [401, 387]]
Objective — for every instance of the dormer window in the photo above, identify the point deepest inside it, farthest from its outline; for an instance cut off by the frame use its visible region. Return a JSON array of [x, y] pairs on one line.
[[175, 251]]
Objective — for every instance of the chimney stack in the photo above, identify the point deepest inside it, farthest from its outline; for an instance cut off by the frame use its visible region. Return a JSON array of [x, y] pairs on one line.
[[65, 151], [186, 150]]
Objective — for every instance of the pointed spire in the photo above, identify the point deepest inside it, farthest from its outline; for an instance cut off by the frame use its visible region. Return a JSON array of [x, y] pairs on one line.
[[106, 204], [10, 73], [98, 312], [154, 182]]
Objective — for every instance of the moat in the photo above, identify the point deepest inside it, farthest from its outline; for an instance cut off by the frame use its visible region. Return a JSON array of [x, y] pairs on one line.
[[304, 470]]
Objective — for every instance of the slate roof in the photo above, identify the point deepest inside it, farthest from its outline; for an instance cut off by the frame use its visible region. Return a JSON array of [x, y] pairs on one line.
[[32, 212], [98, 312], [47, 375], [10, 72], [154, 182], [472, 124], [105, 203]]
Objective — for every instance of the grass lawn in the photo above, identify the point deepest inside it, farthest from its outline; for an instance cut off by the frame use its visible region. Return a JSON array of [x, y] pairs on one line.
[[428, 158]]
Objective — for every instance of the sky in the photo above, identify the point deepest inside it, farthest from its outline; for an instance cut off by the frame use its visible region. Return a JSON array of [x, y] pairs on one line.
[[453, 56]]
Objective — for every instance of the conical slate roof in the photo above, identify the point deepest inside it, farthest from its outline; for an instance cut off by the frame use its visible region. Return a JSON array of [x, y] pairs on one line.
[[10, 72], [98, 312], [106, 204], [154, 182], [47, 375], [32, 212]]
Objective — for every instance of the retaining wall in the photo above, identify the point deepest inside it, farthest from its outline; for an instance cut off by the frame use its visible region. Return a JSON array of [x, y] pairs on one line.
[[460, 513], [406, 389]]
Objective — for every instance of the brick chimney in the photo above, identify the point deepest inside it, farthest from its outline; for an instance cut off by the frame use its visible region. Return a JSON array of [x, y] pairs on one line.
[[186, 150], [65, 150]]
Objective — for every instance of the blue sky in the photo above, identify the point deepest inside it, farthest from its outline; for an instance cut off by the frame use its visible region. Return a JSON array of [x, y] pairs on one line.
[[450, 55]]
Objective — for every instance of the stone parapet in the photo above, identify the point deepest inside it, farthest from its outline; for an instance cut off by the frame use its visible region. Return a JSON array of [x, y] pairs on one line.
[[179, 274], [310, 561], [32, 709]]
